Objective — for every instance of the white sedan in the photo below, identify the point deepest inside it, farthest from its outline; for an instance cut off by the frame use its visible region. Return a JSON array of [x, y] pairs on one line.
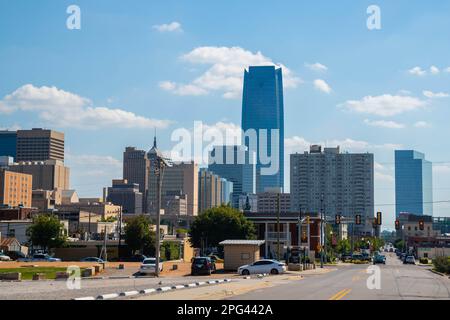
[[4, 257], [263, 266], [148, 266]]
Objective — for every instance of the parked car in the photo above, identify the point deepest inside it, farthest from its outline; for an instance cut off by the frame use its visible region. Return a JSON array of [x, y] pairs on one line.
[[92, 259], [346, 257], [135, 258], [203, 265], [148, 266], [409, 260], [40, 257], [379, 259], [4, 257], [263, 266], [16, 255], [402, 257], [357, 257]]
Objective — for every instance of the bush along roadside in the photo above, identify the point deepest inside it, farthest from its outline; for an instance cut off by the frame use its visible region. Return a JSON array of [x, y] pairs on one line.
[[442, 264]]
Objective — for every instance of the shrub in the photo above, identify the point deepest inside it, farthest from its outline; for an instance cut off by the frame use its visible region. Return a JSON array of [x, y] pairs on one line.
[[442, 264], [424, 260]]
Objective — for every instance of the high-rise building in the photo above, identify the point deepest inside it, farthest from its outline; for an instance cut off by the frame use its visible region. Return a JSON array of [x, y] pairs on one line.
[[47, 175], [8, 143], [15, 189], [334, 183], [180, 177], [413, 183], [39, 145], [269, 201], [127, 195], [263, 109], [231, 163], [136, 168], [210, 190]]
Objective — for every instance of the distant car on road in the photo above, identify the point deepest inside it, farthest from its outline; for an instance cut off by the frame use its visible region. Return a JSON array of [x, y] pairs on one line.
[[203, 265], [40, 257], [16, 255], [263, 266], [92, 259], [148, 266], [4, 257], [379, 259], [409, 260]]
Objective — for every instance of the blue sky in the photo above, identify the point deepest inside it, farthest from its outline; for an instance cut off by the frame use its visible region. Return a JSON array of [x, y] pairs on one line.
[[136, 65]]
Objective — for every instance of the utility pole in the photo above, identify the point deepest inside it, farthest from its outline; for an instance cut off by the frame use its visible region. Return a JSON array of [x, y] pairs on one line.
[[278, 227], [321, 230]]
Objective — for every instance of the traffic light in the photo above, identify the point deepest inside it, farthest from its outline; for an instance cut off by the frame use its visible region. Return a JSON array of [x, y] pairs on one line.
[[421, 225], [304, 237], [397, 225], [307, 220], [379, 218], [358, 219], [337, 219]]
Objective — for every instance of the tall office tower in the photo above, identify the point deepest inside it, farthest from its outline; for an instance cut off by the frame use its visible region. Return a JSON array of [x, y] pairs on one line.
[[8, 143], [334, 183], [47, 175], [263, 109], [136, 168], [39, 145], [210, 190], [15, 189], [230, 163], [181, 177], [413, 183], [127, 195]]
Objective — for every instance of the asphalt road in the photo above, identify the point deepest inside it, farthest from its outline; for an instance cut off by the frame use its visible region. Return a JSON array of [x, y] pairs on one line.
[[349, 282]]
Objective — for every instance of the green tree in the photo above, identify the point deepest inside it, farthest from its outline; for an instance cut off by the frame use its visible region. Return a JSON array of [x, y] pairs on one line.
[[219, 224], [343, 246], [138, 235], [47, 232]]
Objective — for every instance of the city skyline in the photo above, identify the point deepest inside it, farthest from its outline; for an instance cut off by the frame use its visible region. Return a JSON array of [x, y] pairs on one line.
[[368, 98]]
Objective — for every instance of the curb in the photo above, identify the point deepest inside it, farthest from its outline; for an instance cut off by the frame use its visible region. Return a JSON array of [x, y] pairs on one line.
[[438, 273], [153, 290]]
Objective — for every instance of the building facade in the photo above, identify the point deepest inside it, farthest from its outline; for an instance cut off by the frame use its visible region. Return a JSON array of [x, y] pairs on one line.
[[8, 143], [413, 183], [136, 168], [211, 191], [47, 175], [263, 109], [39, 145], [334, 183], [127, 195], [15, 189], [268, 202]]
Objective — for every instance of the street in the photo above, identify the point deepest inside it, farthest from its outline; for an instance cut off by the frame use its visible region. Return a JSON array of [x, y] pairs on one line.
[[398, 282]]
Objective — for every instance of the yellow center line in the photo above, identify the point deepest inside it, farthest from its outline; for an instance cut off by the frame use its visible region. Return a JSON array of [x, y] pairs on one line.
[[341, 294]]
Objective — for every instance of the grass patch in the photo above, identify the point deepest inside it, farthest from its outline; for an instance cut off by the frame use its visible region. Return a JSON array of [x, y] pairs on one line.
[[28, 272]]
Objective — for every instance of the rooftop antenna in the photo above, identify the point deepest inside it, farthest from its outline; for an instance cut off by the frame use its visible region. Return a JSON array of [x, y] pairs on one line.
[[154, 140]]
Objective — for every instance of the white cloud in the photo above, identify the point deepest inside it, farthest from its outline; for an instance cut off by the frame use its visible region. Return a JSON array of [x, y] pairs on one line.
[[90, 160], [385, 105], [434, 70], [318, 67], [441, 168], [14, 127], [169, 27], [66, 109], [225, 74], [321, 85], [384, 124], [422, 124], [417, 71], [447, 70], [433, 95]]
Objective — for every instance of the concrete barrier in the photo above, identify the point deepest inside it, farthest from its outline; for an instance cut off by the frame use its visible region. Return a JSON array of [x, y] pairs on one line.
[[98, 268], [121, 266], [88, 272], [62, 275], [13, 276], [39, 276], [175, 267]]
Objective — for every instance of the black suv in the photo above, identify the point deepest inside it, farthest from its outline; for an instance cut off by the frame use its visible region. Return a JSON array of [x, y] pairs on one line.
[[202, 265]]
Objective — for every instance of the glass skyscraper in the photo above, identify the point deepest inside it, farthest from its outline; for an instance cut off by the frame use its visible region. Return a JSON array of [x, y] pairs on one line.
[[413, 183], [263, 109], [8, 143]]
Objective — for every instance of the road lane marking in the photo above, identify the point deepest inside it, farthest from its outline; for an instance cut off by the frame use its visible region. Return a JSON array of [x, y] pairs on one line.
[[341, 294]]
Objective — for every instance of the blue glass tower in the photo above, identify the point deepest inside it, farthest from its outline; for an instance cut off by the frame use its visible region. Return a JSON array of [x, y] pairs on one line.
[[263, 109], [413, 183], [8, 143]]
